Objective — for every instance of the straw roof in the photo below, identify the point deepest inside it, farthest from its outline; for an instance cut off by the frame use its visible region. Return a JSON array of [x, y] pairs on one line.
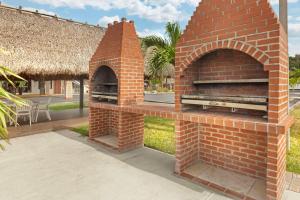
[[39, 45]]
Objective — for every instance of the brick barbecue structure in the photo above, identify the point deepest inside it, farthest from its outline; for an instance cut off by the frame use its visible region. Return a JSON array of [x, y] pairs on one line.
[[117, 77], [231, 88]]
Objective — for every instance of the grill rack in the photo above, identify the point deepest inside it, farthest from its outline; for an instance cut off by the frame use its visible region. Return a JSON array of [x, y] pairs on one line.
[[259, 103]]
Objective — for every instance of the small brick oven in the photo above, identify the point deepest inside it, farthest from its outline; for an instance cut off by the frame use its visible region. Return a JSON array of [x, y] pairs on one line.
[[117, 77], [232, 67]]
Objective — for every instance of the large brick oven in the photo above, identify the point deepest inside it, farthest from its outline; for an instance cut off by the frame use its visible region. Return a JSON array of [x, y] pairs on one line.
[[232, 65], [231, 105]]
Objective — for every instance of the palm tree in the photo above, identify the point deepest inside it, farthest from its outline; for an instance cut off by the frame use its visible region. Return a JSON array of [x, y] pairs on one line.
[[162, 54], [5, 110]]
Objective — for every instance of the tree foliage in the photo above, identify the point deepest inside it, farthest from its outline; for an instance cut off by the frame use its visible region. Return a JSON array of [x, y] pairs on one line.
[[7, 99], [294, 70], [163, 53]]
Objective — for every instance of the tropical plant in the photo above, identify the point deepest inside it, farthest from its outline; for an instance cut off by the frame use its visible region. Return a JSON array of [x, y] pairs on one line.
[[162, 52], [294, 77], [6, 112], [21, 85], [294, 71], [294, 63]]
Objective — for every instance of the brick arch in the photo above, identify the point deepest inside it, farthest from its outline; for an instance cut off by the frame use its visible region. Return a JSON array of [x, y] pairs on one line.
[[102, 64], [241, 46]]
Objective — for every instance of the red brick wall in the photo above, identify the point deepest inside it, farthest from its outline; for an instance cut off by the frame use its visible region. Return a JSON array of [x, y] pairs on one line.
[[234, 149], [276, 162], [230, 65], [98, 122], [103, 122], [131, 131], [113, 122], [186, 144]]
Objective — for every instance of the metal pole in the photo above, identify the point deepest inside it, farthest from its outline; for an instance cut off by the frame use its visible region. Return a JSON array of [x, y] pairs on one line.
[[42, 87], [81, 93], [283, 17], [283, 14]]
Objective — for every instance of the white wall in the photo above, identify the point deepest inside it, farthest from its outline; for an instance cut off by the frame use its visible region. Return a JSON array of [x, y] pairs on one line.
[[35, 87]]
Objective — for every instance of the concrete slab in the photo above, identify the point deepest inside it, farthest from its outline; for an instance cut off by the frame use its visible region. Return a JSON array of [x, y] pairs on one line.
[[293, 182], [224, 178], [290, 195], [66, 166], [110, 140], [258, 190]]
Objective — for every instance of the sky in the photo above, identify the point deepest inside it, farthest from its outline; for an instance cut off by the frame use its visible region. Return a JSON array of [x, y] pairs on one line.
[[150, 16]]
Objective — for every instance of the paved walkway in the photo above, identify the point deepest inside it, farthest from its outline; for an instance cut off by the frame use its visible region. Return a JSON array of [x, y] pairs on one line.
[[60, 120], [57, 116], [65, 166], [293, 182], [46, 126]]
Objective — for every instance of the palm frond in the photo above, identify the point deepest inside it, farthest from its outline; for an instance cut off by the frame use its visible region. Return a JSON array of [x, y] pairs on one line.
[[173, 33], [159, 61], [6, 112], [155, 41]]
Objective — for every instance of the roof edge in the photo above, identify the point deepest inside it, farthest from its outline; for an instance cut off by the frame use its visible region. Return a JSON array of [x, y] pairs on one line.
[[50, 16]]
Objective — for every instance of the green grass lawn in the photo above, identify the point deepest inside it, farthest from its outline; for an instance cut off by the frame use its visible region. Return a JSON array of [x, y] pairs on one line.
[[293, 156], [159, 134], [82, 130], [64, 106]]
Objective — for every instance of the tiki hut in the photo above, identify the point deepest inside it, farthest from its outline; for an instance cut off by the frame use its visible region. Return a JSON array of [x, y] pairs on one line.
[[40, 46]]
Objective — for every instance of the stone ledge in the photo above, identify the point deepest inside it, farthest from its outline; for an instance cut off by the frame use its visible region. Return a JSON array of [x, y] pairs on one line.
[[220, 119]]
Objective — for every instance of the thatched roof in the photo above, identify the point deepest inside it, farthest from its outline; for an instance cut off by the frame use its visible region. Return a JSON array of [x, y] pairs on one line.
[[39, 45]]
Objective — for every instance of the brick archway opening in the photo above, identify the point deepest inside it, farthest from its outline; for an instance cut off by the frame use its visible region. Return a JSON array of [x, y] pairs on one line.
[[222, 75], [104, 84], [207, 48]]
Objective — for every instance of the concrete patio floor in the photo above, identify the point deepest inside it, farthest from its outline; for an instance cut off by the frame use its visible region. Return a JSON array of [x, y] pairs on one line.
[[63, 165], [66, 166]]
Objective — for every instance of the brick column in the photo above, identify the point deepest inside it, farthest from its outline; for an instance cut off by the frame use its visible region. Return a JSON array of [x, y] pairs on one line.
[[98, 122], [131, 131], [186, 144], [276, 165]]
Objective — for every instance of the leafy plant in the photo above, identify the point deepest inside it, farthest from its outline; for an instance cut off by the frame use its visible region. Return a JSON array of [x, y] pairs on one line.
[[6, 111], [294, 71], [163, 53]]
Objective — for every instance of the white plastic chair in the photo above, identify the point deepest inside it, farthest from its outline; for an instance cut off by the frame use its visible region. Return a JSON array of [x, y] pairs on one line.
[[43, 108], [23, 111]]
